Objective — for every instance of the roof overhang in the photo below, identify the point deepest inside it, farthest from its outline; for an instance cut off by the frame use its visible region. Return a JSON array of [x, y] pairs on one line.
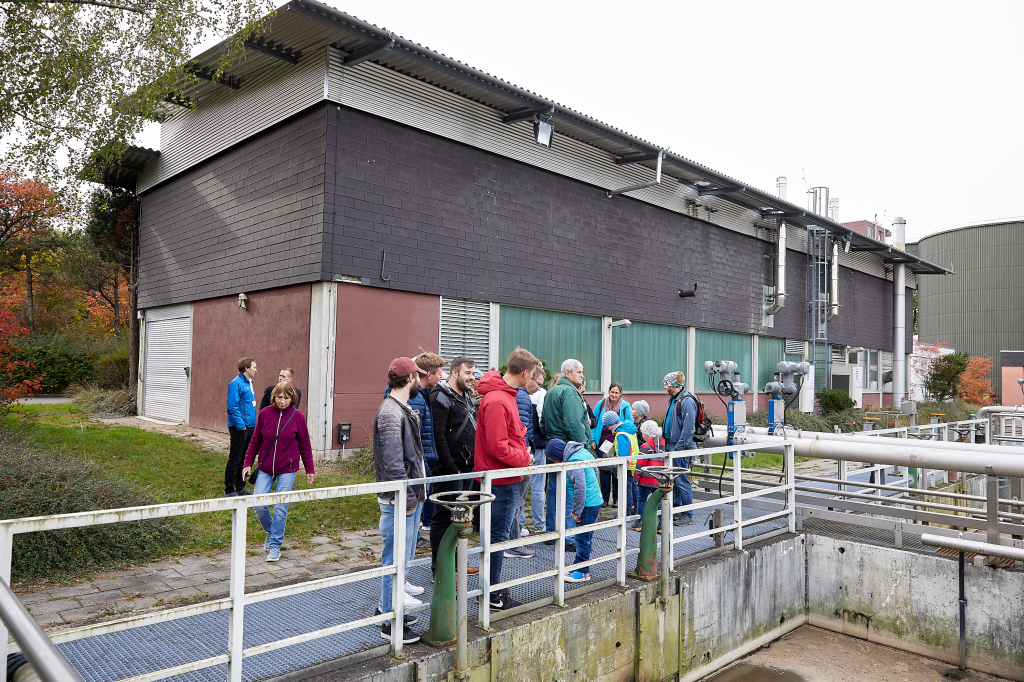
[[304, 25], [125, 172]]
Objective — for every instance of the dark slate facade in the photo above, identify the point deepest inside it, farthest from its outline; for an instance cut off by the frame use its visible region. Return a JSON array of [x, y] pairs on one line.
[[324, 194], [248, 219]]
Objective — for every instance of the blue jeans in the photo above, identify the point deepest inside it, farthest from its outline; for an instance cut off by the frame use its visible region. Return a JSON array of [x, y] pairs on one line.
[[503, 515], [387, 531], [682, 492], [632, 491], [537, 494], [585, 540], [273, 525], [550, 504]]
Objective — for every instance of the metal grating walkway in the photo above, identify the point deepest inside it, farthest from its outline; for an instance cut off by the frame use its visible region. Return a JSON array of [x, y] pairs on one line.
[[121, 655]]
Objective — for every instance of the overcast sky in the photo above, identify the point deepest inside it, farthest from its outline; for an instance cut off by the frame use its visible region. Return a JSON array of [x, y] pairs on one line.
[[906, 109]]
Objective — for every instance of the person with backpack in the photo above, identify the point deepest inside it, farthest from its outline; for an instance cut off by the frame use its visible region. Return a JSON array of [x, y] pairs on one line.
[[652, 444], [680, 421]]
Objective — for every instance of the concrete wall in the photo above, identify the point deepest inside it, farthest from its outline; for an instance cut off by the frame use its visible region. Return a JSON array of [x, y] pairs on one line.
[[374, 327], [273, 329], [1010, 389], [908, 600]]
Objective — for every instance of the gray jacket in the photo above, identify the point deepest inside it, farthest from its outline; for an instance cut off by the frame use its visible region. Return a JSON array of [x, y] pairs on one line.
[[397, 450]]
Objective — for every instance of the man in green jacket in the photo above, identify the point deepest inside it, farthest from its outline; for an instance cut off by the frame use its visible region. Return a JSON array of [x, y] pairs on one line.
[[565, 417]]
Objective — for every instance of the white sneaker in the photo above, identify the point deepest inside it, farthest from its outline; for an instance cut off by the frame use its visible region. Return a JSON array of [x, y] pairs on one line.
[[411, 601], [524, 532], [413, 589]]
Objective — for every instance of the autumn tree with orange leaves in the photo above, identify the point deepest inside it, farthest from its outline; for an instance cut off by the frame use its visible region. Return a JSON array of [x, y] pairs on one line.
[[975, 387]]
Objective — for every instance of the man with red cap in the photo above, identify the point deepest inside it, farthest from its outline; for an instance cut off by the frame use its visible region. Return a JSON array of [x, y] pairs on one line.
[[398, 456]]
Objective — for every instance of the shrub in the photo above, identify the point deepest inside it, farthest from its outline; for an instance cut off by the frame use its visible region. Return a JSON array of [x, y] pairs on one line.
[[943, 382], [118, 402], [111, 362], [835, 400], [974, 384], [35, 483], [55, 358]]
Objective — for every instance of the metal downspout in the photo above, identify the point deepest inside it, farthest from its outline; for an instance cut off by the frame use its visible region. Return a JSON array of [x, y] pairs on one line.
[[899, 331], [780, 273], [833, 290]]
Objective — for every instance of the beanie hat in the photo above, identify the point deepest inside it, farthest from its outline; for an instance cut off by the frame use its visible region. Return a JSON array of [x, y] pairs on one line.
[[641, 408], [650, 429], [672, 379], [555, 448], [610, 419]]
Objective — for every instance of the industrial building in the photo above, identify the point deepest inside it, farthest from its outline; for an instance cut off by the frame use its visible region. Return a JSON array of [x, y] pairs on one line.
[[345, 196], [978, 311]]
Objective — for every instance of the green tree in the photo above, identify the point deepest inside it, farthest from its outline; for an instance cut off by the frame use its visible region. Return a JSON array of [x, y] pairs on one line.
[[943, 380], [78, 78]]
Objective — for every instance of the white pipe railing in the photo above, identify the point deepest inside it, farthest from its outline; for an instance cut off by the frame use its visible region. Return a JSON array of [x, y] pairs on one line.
[[235, 603], [757, 492]]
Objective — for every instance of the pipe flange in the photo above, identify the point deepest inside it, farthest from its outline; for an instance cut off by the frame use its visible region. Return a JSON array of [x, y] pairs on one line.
[[461, 503], [665, 475]]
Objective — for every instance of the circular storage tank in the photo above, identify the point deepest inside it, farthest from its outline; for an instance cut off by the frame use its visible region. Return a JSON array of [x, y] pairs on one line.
[[980, 309]]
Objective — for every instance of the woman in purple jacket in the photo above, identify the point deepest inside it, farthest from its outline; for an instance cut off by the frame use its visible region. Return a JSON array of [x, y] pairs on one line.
[[280, 440]]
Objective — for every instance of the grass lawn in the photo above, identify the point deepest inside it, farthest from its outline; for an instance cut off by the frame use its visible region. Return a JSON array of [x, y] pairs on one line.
[[171, 469], [761, 460]]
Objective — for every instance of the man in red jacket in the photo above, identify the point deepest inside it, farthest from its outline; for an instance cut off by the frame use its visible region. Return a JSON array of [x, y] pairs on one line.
[[501, 444]]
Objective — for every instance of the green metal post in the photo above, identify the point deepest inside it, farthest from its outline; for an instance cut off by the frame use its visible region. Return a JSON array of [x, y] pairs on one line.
[[443, 630], [647, 560]]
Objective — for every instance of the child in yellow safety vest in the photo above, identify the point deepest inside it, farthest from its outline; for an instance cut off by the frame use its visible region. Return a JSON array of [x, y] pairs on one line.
[[625, 445]]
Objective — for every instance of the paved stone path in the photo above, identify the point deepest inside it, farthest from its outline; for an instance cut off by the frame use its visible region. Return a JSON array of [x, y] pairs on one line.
[[173, 582]]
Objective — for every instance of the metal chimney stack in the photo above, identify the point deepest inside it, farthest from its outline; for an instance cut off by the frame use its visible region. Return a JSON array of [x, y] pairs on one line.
[[899, 234], [833, 209], [780, 187]]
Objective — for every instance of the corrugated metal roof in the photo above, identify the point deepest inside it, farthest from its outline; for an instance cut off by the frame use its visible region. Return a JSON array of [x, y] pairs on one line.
[[304, 25]]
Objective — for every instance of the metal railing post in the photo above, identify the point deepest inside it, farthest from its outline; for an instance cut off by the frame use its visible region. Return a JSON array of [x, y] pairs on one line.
[[737, 490], [560, 495], [484, 577], [6, 552], [790, 465], [620, 568], [398, 580], [236, 622], [667, 550]]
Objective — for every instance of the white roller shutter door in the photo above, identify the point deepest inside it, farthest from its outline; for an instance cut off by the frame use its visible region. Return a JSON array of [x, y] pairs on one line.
[[465, 330], [165, 386]]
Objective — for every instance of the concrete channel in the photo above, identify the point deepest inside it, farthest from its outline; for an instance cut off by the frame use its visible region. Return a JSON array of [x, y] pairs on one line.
[[723, 607]]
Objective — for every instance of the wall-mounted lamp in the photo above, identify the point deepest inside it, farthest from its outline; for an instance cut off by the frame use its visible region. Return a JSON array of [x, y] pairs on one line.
[[689, 294], [620, 323], [242, 298], [847, 240], [543, 128]]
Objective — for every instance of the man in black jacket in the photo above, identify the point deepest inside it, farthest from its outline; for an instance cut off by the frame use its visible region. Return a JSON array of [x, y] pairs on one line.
[[286, 375], [454, 422]]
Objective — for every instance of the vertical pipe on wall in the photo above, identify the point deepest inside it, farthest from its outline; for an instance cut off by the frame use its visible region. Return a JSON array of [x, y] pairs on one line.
[[606, 354], [493, 361], [691, 358], [899, 313], [755, 362]]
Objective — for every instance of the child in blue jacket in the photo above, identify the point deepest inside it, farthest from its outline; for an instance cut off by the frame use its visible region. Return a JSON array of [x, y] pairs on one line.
[[585, 492]]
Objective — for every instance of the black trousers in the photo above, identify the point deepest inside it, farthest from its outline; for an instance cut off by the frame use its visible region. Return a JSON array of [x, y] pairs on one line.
[[443, 516], [236, 457]]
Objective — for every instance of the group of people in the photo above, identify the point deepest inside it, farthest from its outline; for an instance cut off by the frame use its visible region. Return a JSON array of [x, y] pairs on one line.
[[428, 425], [469, 421]]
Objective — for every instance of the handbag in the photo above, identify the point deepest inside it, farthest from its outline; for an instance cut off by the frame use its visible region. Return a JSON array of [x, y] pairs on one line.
[[254, 474]]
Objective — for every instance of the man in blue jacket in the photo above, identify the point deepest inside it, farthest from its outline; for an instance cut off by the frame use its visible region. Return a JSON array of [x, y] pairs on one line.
[[241, 422], [679, 424]]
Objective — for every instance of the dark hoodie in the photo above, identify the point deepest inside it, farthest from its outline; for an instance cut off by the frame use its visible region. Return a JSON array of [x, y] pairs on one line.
[[500, 435]]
